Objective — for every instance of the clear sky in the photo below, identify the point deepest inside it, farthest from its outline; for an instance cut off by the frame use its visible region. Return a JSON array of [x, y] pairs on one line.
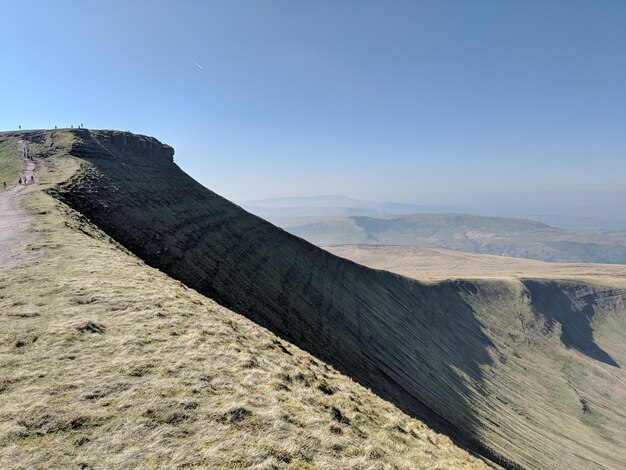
[[382, 100]]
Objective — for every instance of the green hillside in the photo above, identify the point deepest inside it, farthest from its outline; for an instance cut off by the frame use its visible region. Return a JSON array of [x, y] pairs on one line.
[[528, 374]]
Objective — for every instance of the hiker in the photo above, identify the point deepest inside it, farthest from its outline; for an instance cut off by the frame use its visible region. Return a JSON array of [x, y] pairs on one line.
[[5, 185], [32, 179], [20, 127], [20, 180]]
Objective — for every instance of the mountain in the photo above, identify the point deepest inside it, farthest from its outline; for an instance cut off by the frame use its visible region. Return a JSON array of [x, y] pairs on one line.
[[469, 233], [287, 208], [334, 201], [527, 374], [598, 212], [107, 363]]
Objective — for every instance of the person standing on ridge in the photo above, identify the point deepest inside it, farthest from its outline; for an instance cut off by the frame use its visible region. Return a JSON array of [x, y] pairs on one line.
[[4, 183]]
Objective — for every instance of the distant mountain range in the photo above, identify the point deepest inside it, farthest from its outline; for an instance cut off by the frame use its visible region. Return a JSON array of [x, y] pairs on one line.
[[594, 212], [327, 205], [336, 220]]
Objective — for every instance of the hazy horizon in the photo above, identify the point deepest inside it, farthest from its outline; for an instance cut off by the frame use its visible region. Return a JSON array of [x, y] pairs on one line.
[[557, 197], [600, 211], [443, 101]]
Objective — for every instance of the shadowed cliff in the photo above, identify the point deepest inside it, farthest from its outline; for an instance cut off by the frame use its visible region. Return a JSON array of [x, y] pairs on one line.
[[440, 352]]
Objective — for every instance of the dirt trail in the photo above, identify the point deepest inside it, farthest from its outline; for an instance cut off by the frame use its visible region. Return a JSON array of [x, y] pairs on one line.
[[14, 221]]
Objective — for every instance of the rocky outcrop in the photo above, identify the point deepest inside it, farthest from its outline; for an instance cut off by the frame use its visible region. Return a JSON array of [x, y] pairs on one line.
[[122, 147]]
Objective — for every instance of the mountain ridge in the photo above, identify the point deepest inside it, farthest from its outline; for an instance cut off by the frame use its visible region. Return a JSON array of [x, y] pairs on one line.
[[106, 362], [520, 238], [439, 352], [593, 212]]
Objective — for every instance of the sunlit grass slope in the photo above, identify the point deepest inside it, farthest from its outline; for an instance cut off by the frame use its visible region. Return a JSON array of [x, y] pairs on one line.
[[108, 363], [9, 163]]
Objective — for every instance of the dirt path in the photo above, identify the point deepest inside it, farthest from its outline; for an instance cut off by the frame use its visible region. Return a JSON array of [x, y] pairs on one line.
[[14, 221]]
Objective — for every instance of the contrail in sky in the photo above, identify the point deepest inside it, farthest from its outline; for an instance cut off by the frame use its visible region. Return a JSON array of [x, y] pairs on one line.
[[199, 66], [193, 60]]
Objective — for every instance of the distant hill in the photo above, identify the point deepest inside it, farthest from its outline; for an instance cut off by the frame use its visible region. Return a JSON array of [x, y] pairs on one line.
[[598, 212], [323, 206], [469, 233]]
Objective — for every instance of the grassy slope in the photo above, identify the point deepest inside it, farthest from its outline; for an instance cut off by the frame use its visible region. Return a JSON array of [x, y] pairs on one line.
[[527, 370], [108, 363], [468, 233], [10, 163]]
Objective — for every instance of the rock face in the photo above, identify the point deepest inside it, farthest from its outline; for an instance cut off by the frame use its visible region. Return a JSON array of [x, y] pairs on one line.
[[123, 147], [456, 354]]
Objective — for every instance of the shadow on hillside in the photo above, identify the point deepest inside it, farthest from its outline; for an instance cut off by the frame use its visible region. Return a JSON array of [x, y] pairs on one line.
[[574, 311], [418, 346]]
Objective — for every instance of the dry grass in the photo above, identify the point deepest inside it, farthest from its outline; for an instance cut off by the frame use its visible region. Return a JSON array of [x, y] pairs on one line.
[[10, 163], [107, 363], [434, 264]]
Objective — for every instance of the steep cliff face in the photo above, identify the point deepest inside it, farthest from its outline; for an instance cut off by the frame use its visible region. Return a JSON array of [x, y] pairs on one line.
[[479, 361], [123, 147]]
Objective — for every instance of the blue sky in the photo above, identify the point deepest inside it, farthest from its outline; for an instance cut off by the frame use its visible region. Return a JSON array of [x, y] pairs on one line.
[[383, 100]]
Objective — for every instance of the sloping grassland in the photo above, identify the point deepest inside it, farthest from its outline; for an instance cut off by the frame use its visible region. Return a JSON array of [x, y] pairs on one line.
[[108, 363], [526, 373]]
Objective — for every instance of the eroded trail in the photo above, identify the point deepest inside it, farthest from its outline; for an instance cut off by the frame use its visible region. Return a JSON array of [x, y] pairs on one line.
[[14, 220]]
